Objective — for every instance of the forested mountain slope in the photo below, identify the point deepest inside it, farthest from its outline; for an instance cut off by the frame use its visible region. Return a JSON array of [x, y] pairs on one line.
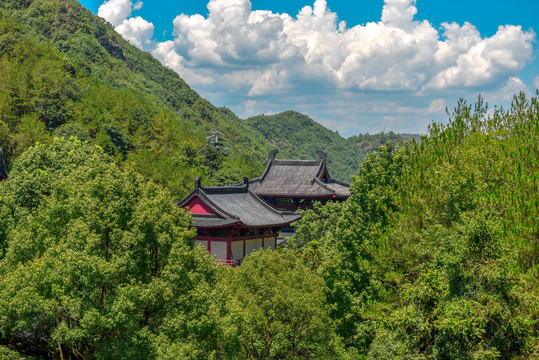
[[67, 72], [368, 142]]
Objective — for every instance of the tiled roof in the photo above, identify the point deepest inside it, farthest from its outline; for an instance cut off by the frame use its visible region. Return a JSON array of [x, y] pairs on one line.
[[236, 204], [298, 178]]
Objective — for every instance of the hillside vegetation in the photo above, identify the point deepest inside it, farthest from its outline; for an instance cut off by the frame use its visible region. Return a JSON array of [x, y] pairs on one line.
[[436, 253], [66, 72], [434, 256], [369, 143]]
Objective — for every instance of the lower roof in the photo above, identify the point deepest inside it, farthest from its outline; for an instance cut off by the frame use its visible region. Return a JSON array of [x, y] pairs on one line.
[[236, 205]]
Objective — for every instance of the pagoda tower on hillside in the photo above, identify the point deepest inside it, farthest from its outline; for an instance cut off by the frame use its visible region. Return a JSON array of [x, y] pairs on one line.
[[297, 184], [232, 221]]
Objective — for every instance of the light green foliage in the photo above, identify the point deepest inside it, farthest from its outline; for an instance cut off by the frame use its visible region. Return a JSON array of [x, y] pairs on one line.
[[99, 263], [434, 256], [278, 309], [8, 354], [66, 131]]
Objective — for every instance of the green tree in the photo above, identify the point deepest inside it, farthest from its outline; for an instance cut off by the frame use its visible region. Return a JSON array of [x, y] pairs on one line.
[[434, 253], [278, 309], [72, 129], [98, 263]]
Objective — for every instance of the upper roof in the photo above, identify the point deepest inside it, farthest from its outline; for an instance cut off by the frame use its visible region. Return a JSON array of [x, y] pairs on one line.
[[3, 173], [225, 206], [298, 178]]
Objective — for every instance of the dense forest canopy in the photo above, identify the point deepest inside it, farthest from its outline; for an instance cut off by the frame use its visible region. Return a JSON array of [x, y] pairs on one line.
[[434, 256]]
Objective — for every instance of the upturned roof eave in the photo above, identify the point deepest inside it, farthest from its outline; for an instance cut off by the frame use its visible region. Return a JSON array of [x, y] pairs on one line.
[[247, 226], [296, 195], [205, 195]]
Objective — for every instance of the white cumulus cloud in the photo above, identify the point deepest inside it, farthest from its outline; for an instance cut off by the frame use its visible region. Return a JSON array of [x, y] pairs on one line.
[[264, 53], [536, 82], [505, 93], [488, 60], [136, 30], [251, 59], [115, 11]]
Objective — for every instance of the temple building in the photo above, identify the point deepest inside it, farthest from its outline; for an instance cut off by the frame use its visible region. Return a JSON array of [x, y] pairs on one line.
[[232, 222], [3, 173], [297, 184]]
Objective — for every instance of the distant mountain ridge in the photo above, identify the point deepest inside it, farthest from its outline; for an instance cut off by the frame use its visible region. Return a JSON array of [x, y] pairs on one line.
[[297, 136]]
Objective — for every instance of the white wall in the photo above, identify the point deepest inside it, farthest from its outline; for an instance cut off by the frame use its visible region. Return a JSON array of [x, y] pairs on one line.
[[202, 243], [236, 248], [269, 243], [250, 246], [218, 248]]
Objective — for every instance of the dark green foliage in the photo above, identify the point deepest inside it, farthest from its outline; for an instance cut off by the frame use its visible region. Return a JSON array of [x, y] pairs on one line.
[[114, 141]]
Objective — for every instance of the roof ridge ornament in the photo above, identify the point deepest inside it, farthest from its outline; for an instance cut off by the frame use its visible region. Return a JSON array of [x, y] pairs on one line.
[[198, 181], [246, 182], [272, 154], [321, 155]]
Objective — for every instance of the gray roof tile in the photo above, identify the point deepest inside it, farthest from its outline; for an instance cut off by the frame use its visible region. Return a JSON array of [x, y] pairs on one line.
[[236, 204], [298, 178]]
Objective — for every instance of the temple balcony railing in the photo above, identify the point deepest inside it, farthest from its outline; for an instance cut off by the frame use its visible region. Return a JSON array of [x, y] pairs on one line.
[[232, 263]]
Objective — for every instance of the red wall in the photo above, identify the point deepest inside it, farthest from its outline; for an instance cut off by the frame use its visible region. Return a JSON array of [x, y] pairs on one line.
[[197, 206]]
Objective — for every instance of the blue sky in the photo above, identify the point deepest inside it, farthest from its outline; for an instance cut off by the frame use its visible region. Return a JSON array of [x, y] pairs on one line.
[[354, 66]]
